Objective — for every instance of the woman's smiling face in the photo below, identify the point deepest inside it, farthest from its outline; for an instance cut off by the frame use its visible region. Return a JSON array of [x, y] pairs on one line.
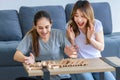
[[43, 27]]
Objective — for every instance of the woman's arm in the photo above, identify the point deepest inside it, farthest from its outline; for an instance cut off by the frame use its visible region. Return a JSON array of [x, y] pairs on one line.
[[70, 35], [98, 42], [20, 57]]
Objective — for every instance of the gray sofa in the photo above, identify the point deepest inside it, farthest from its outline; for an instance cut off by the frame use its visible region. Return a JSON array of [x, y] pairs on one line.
[[14, 25]]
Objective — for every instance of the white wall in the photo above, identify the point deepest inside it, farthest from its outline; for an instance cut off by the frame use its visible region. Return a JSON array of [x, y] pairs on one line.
[[16, 4]]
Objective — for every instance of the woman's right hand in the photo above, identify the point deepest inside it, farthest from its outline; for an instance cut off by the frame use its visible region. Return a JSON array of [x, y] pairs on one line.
[[30, 59], [70, 34], [70, 51]]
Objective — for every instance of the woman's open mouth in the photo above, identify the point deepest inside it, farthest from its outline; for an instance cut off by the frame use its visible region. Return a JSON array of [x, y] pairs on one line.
[[81, 24]]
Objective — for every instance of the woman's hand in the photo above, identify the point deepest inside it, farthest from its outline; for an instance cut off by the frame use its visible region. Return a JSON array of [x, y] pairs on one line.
[[30, 59], [70, 51], [90, 31], [70, 34]]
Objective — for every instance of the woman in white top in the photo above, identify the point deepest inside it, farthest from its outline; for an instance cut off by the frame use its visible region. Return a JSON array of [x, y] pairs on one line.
[[86, 34]]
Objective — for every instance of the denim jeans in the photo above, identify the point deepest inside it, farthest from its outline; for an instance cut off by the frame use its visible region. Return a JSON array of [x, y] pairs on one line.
[[92, 76]]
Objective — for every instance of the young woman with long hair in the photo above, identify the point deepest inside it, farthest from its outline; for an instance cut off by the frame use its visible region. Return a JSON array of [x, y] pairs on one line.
[[86, 34], [43, 43]]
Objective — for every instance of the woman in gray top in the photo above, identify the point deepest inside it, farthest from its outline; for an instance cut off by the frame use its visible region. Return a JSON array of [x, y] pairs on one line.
[[44, 42]]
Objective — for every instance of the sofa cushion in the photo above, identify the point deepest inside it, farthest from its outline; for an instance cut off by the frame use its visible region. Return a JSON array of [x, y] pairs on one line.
[[9, 26], [12, 72], [112, 45], [102, 12], [7, 50], [57, 14]]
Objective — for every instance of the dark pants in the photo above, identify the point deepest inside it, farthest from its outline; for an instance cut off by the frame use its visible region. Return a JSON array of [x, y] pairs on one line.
[[25, 78], [29, 78], [67, 79]]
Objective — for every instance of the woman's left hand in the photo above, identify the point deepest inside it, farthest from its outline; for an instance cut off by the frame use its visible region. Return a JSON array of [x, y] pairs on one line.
[[90, 31], [30, 59]]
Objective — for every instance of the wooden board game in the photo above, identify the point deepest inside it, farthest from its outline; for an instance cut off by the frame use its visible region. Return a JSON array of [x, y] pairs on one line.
[[69, 67]]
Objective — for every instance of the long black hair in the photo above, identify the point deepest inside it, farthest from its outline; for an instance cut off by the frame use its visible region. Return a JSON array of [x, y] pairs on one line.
[[34, 33]]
